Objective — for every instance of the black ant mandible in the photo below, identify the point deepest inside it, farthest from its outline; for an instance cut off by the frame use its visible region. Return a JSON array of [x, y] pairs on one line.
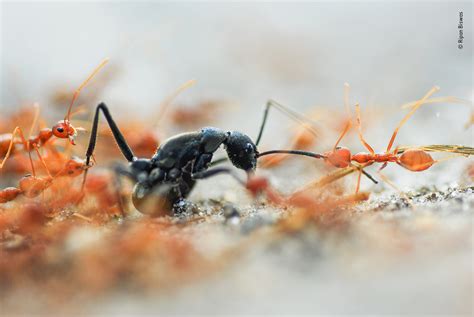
[[170, 175]]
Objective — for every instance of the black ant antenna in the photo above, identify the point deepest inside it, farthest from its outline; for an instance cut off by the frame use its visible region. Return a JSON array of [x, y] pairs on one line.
[[301, 119], [295, 152], [310, 154]]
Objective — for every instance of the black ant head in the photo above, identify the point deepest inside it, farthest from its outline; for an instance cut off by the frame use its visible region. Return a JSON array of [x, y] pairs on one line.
[[241, 150]]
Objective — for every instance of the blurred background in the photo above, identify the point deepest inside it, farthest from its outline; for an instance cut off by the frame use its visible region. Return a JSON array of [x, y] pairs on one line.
[[244, 53]]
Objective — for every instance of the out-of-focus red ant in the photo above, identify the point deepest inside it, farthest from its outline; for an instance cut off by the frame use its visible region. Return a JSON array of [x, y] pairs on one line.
[[31, 185]]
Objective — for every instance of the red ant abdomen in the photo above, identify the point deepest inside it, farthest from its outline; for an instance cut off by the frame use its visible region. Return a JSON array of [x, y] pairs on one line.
[[415, 160]]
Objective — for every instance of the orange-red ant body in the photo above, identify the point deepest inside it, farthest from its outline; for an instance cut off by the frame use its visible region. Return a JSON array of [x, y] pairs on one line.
[[61, 130], [415, 160], [31, 185]]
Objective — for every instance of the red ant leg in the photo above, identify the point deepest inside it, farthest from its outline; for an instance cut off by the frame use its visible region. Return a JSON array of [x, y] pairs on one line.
[[40, 157], [359, 128], [346, 129], [26, 145], [418, 104], [358, 182]]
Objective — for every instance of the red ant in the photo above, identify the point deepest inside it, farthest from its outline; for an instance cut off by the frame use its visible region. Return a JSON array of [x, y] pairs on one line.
[[61, 130], [415, 160], [31, 185]]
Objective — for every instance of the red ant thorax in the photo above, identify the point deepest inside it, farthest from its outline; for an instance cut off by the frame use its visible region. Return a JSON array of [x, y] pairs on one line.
[[44, 135]]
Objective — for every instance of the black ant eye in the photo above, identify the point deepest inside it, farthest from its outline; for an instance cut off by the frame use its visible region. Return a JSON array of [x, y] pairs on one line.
[[248, 148], [60, 130]]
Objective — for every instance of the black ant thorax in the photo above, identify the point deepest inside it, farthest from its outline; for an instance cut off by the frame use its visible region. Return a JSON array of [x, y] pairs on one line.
[[180, 160], [197, 148]]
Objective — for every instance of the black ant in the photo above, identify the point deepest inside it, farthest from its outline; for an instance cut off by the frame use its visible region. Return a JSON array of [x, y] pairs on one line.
[[170, 175]]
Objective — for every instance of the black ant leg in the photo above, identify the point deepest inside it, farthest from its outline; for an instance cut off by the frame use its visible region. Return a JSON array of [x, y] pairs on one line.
[[121, 170], [119, 138], [300, 118], [264, 121], [218, 161]]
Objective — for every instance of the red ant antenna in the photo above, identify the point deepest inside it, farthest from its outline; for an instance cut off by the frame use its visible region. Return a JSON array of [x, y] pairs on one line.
[[169, 99], [347, 89], [78, 90]]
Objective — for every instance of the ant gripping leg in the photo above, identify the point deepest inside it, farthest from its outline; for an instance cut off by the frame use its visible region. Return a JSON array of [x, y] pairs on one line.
[[119, 138]]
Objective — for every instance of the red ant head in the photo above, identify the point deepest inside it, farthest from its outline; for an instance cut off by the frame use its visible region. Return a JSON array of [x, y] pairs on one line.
[[256, 184], [63, 129], [340, 157]]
